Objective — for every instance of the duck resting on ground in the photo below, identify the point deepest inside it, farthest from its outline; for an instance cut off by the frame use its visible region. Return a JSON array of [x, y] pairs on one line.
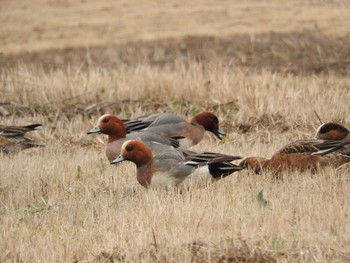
[[115, 129], [301, 156], [171, 125], [13, 139]]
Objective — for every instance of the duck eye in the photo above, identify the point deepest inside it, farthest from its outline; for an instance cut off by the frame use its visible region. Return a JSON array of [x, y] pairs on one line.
[[129, 148], [105, 120]]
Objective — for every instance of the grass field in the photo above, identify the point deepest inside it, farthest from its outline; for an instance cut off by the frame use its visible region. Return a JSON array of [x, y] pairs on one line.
[[264, 68]]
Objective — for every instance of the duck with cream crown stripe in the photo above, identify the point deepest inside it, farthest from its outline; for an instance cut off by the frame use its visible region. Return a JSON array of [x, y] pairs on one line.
[[332, 131], [115, 129], [171, 125], [171, 168]]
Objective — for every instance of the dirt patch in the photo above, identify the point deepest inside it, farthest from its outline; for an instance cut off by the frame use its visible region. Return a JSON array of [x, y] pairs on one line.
[[308, 52]]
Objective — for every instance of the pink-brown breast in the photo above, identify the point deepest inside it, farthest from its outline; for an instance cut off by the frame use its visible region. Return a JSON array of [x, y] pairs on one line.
[[113, 149], [194, 133], [144, 174]]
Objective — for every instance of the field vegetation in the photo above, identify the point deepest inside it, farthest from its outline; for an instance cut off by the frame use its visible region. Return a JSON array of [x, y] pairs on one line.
[[266, 68]]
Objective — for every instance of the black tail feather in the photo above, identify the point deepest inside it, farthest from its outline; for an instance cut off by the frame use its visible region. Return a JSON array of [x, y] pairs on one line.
[[136, 125], [222, 169]]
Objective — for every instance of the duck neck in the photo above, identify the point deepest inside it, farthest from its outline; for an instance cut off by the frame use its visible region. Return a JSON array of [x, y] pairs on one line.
[[112, 138], [116, 133], [145, 173], [195, 132]]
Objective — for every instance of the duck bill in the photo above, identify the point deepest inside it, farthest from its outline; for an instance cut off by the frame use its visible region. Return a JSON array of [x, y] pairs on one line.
[[220, 134], [94, 130], [119, 159]]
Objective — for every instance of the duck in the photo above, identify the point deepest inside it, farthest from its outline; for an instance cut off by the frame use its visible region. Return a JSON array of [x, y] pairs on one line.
[[332, 131], [13, 139], [171, 125], [174, 168], [18, 130], [301, 155], [114, 127]]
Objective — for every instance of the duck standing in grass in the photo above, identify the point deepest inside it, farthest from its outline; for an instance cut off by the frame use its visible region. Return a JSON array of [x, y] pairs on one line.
[[171, 125], [173, 168], [115, 129]]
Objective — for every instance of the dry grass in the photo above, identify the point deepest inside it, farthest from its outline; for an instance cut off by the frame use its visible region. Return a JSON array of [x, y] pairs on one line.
[[65, 203], [52, 212]]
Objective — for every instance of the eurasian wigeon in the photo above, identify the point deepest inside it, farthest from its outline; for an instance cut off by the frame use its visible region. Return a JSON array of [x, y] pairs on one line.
[[332, 131], [171, 125], [115, 129], [335, 131], [172, 168], [301, 156], [18, 130], [12, 139]]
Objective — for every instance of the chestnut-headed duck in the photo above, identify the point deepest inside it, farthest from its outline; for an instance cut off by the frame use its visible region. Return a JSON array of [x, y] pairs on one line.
[[13, 139], [173, 168], [171, 125], [115, 129], [301, 156], [332, 131]]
